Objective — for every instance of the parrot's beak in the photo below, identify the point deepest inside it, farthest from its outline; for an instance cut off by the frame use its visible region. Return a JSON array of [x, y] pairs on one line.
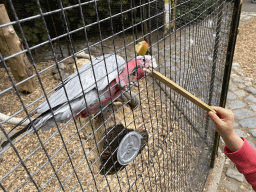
[[149, 61], [134, 71], [143, 63]]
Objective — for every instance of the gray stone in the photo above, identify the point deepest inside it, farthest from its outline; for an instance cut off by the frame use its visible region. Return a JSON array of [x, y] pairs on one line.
[[235, 64], [232, 87], [253, 132], [240, 93], [241, 86], [231, 96], [63, 74], [49, 57], [250, 99], [235, 174], [251, 90], [204, 53], [248, 78], [84, 55], [233, 75], [248, 83], [239, 132], [236, 68], [243, 113], [252, 144], [235, 124], [236, 104], [249, 123], [253, 107], [231, 185], [61, 66], [238, 80]]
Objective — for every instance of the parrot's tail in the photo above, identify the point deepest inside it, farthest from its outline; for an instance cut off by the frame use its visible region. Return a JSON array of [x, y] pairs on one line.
[[20, 132], [32, 113]]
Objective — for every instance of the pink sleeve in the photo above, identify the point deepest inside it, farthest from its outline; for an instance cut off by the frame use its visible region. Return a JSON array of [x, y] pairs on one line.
[[245, 160]]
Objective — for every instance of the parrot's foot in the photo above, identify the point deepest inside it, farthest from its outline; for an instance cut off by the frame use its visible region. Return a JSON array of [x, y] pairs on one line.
[[111, 107], [131, 98]]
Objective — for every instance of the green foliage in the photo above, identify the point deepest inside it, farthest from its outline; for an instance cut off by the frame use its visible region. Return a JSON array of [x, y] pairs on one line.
[[196, 10], [34, 29]]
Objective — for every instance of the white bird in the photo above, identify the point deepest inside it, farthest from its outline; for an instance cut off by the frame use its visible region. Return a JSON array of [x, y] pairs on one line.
[[102, 80]]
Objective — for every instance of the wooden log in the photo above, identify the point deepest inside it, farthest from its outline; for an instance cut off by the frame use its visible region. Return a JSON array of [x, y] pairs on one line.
[[10, 44], [108, 131]]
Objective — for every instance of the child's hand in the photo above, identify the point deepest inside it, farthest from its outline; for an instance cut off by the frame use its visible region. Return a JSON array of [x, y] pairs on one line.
[[224, 120]]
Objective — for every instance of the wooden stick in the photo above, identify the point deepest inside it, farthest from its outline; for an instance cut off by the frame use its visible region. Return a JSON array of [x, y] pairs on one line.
[[180, 90]]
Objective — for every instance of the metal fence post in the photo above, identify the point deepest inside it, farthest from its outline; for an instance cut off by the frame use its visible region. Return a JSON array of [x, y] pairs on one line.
[[215, 58], [228, 66]]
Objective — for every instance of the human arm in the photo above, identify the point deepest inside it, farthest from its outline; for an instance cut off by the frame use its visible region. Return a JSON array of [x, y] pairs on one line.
[[245, 160], [237, 149]]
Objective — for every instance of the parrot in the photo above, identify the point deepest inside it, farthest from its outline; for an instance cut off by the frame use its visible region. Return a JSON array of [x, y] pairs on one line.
[[110, 72]]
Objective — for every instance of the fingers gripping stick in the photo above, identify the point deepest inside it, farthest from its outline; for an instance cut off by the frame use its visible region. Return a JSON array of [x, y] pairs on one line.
[[179, 90]]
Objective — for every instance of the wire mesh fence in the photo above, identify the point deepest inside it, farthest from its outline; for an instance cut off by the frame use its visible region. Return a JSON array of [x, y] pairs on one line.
[[95, 121]]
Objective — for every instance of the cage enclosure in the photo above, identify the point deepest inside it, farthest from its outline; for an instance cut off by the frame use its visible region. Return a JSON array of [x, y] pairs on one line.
[[79, 113]]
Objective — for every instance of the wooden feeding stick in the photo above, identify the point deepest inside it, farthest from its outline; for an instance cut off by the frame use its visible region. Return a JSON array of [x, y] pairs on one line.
[[180, 90]]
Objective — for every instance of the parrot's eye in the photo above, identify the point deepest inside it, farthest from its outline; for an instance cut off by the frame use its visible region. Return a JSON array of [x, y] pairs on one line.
[[144, 60]]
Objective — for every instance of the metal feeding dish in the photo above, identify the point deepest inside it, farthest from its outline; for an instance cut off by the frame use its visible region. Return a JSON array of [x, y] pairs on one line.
[[129, 147]]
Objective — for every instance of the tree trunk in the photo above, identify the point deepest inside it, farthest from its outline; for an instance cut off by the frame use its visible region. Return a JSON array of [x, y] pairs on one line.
[[10, 44], [174, 3]]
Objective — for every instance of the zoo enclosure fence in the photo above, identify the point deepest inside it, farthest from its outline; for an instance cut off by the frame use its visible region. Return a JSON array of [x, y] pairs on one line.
[[193, 44]]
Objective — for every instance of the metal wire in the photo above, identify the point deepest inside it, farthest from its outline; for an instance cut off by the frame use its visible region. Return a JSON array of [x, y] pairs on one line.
[[189, 41]]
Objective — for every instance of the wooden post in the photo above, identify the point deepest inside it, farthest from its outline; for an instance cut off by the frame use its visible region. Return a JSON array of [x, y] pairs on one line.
[[168, 13], [145, 24], [10, 44], [174, 3]]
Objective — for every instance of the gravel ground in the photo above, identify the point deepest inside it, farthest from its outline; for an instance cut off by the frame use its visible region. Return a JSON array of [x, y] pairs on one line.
[[11, 105], [245, 52]]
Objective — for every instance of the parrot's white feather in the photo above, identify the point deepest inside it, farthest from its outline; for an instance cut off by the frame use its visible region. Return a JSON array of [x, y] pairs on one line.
[[112, 65]]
